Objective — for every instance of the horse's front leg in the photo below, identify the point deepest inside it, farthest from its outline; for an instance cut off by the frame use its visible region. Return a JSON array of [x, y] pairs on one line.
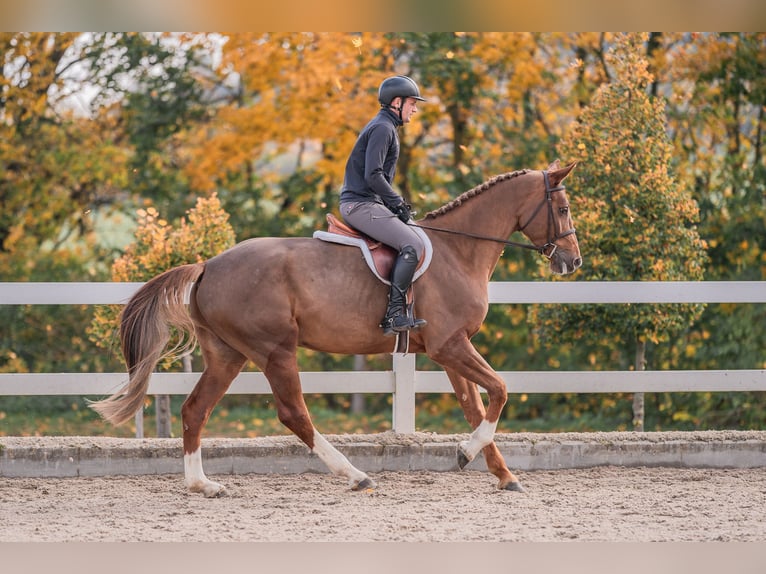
[[459, 355], [473, 407]]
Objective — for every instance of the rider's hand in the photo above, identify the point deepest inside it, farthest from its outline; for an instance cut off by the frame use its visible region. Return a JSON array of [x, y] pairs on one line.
[[403, 212]]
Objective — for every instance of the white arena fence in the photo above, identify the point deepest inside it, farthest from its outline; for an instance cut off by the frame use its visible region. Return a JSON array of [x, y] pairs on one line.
[[404, 382]]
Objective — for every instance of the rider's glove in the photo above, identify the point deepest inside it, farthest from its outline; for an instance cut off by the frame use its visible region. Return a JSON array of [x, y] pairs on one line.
[[403, 212]]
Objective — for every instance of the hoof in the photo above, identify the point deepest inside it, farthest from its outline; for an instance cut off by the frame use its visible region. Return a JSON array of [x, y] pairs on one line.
[[462, 459], [514, 487], [364, 484], [209, 489], [216, 493]]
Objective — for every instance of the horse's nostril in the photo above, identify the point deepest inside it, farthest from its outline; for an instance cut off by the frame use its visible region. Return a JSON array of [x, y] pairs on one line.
[[577, 262]]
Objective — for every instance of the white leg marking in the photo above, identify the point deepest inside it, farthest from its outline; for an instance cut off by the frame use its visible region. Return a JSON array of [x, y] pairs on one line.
[[481, 437], [339, 464], [195, 479]]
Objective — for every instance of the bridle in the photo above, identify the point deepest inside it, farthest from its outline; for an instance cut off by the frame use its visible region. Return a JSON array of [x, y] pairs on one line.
[[551, 232], [548, 249]]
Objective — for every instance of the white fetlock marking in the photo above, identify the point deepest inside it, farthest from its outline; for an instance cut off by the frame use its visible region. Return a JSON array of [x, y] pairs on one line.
[[336, 462], [195, 479], [480, 437], [193, 473]]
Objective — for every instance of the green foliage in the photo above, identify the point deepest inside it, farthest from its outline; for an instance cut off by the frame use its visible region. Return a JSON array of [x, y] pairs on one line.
[[634, 222], [459, 90], [717, 124], [295, 206], [153, 84], [50, 338]]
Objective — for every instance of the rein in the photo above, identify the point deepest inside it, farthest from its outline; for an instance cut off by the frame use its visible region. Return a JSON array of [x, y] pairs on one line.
[[481, 237], [552, 237]]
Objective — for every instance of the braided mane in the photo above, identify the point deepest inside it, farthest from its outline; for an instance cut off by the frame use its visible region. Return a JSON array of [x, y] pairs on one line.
[[478, 190]]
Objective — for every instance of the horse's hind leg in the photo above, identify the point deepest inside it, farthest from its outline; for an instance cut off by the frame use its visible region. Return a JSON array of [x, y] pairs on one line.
[[222, 364], [473, 407], [282, 373]]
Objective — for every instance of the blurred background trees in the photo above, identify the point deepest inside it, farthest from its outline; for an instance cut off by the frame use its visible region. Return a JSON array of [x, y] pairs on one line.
[[96, 127], [637, 224]]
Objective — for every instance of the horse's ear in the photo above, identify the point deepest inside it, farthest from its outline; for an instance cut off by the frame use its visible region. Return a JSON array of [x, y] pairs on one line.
[[557, 174], [554, 166]]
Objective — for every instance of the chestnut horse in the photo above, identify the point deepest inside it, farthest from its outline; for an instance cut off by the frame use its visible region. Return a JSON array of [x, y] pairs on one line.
[[263, 298]]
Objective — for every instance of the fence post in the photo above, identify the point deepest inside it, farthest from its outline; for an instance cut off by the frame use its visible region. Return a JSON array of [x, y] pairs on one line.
[[404, 393]]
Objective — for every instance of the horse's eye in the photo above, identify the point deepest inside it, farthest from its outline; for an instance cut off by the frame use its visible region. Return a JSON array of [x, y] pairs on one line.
[[564, 210]]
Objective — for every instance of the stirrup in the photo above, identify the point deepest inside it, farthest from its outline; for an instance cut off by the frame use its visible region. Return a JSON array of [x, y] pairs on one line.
[[400, 323], [415, 323]]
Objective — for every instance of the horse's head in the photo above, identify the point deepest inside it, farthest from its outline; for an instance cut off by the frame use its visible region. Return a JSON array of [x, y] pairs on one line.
[[546, 221]]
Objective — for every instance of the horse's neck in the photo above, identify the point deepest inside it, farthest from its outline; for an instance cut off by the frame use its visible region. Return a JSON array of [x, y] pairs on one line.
[[493, 214]]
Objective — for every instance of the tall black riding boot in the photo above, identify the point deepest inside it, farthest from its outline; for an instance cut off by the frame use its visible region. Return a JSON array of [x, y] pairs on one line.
[[397, 318]]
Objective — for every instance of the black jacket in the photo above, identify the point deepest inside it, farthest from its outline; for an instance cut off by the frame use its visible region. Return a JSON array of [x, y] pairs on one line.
[[371, 167]]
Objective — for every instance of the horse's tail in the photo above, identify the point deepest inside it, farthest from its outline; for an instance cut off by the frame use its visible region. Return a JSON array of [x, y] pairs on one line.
[[144, 334]]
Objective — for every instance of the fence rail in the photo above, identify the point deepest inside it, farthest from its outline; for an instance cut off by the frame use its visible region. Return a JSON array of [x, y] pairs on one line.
[[404, 382], [564, 292]]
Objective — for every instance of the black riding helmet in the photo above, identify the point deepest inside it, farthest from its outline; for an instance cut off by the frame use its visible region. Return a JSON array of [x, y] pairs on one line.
[[398, 87]]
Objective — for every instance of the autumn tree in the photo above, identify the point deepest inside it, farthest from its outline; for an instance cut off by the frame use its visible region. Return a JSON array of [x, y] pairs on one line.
[[55, 165], [717, 123], [73, 147], [67, 156], [160, 246], [275, 150], [635, 222]]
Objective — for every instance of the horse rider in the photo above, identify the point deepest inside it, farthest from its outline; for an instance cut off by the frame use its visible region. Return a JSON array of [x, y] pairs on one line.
[[369, 203]]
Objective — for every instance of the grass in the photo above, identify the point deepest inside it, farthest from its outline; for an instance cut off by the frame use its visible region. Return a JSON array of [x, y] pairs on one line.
[[233, 418]]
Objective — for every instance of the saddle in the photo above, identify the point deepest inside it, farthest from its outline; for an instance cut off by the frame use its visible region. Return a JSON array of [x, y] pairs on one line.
[[378, 256]]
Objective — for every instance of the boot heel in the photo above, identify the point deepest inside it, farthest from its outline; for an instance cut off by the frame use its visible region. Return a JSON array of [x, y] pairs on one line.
[[415, 323]]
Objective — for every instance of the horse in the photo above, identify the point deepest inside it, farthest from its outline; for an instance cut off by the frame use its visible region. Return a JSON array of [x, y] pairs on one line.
[[265, 297]]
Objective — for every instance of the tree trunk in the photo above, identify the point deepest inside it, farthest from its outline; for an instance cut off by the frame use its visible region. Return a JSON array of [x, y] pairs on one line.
[[139, 418], [357, 399], [162, 410], [638, 398], [162, 404]]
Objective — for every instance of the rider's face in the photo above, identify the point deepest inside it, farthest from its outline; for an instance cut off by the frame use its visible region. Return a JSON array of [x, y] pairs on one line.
[[409, 108]]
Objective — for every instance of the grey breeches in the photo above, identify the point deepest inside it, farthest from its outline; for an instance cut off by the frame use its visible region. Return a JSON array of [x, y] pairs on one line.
[[377, 221]]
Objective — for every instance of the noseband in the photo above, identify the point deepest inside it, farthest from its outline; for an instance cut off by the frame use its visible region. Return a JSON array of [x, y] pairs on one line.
[[550, 246]]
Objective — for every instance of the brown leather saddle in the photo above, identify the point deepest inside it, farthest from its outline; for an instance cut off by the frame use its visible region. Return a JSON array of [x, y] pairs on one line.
[[382, 255], [379, 257]]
